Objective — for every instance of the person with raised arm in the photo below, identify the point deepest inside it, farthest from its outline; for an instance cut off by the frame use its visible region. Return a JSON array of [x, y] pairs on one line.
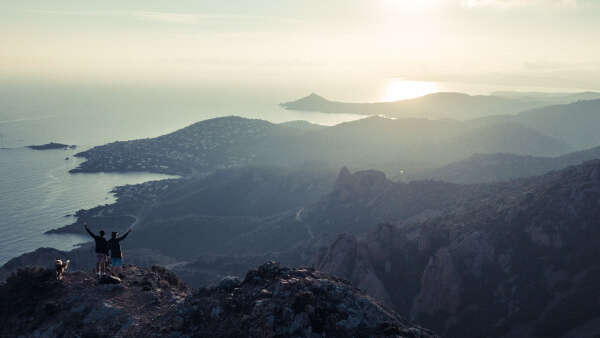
[[116, 254], [101, 250]]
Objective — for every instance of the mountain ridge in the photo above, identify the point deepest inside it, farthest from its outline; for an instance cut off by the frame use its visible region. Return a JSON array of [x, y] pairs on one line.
[[271, 301]]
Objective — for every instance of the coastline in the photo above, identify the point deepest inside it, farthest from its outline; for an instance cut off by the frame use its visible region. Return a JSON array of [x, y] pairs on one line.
[[42, 201], [124, 213]]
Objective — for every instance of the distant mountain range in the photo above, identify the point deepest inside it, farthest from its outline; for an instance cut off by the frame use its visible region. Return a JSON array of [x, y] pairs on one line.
[[442, 105], [437, 106], [379, 143], [549, 98]]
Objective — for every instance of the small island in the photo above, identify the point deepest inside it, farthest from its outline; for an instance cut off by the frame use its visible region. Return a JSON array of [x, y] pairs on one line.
[[52, 145]]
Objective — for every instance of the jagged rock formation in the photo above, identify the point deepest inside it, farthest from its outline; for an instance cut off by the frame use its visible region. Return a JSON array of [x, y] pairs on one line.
[[521, 264], [272, 301], [283, 302]]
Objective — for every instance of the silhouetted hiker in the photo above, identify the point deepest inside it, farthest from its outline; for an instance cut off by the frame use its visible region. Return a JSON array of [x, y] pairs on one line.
[[116, 255], [101, 250]]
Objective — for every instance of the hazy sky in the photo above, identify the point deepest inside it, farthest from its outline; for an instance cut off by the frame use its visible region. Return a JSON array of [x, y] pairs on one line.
[[553, 43]]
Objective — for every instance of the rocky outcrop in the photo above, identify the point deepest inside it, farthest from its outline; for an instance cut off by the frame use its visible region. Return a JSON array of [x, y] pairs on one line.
[[81, 305], [271, 301], [522, 263], [283, 302]]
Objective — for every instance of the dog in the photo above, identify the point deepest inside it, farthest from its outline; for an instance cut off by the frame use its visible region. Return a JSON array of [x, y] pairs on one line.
[[61, 268]]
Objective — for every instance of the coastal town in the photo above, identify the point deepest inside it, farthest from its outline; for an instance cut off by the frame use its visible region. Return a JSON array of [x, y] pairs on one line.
[[197, 149]]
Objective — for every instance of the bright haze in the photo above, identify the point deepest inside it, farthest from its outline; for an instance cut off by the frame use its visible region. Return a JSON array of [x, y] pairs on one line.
[[484, 45]]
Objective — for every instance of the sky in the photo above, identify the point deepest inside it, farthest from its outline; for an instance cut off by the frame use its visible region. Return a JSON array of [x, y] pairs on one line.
[[537, 43]]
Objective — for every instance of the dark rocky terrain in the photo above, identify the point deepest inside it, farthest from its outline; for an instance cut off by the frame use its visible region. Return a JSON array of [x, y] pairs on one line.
[[271, 301], [522, 263]]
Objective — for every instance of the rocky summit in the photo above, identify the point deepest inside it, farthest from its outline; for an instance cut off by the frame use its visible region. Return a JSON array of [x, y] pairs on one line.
[[271, 301]]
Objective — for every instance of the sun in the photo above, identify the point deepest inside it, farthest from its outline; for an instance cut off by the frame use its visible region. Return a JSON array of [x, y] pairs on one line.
[[399, 89], [413, 4]]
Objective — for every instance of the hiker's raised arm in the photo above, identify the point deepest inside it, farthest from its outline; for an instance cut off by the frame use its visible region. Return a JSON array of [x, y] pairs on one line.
[[88, 230], [125, 235]]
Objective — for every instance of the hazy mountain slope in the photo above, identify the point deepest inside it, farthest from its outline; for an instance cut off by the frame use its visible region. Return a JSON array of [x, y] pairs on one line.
[[302, 125], [503, 137], [550, 98], [389, 144], [480, 168], [435, 106], [522, 263], [576, 123], [245, 192]]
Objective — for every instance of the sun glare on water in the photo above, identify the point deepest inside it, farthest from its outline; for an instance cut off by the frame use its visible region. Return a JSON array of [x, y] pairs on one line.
[[398, 89]]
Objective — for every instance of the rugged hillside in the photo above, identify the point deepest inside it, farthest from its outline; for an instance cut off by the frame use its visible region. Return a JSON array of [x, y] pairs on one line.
[[481, 168], [521, 264], [179, 224], [436, 106], [271, 301]]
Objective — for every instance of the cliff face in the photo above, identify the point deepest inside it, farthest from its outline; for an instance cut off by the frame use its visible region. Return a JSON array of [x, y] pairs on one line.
[[271, 301], [521, 264]]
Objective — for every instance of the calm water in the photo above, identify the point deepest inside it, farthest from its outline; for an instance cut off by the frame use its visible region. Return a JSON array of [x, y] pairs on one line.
[[37, 193], [36, 189]]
